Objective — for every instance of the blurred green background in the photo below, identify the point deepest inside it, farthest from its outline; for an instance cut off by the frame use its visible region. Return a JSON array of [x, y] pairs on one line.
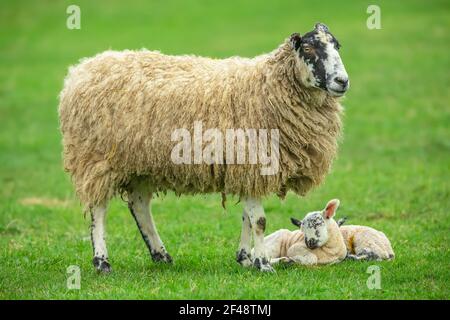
[[392, 172]]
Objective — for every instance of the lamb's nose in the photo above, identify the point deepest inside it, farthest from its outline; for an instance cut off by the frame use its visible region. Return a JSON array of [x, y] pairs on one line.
[[311, 243], [341, 81]]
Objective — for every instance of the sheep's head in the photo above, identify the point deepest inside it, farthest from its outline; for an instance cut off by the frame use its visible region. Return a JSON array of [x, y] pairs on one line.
[[320, 63], [318, 225]]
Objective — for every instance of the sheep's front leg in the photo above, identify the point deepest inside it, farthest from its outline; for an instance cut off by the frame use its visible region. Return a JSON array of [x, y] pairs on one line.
[[306, 259], [257, 219], [299, 254], [280, 260], [100, 260], [139, 205], [243, 255]]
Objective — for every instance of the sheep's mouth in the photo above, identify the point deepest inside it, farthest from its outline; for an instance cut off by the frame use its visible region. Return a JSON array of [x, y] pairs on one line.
[[337, 93], [311, 243]]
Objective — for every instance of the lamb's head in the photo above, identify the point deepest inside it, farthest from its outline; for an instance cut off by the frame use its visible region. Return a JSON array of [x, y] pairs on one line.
[[319, 61], [319, 225]]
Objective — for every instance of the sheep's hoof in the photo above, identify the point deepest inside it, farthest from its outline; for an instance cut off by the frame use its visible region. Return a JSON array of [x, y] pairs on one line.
[[244, 258], [101, 265], [263, 265], [161, 257]]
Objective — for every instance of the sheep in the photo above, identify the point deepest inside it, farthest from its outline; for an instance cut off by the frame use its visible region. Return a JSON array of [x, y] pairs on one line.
[[119, 111], [318, 241], [366, 243]]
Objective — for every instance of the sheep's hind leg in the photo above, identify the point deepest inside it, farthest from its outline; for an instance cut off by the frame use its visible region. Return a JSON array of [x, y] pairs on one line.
[[100, 260], [139, 204], [258, 225], [354, 257], [243, 256], [363, 255]]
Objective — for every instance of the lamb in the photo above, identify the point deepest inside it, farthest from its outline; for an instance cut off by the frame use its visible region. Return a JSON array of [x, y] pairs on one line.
[[119, 111], [318, 241], [366, 243]]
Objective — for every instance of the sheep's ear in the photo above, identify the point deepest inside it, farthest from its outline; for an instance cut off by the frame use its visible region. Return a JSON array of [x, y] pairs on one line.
[[330, 209], [321, 27], [296, 40], [296, 222], [341, 221]]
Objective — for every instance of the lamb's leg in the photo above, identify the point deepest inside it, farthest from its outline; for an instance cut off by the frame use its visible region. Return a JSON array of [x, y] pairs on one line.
[[367, 254], [139, 204], [243, 255], [307, 259], [255, 212], [100, 260], [351, 256], [280, 260], [363, 255], [301, 255]]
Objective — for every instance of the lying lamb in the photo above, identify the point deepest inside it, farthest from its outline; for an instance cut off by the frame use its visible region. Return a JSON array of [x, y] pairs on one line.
[[317, 242], [366, 243]]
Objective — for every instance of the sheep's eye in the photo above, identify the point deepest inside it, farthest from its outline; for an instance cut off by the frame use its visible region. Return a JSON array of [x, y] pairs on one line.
[[307, 49]]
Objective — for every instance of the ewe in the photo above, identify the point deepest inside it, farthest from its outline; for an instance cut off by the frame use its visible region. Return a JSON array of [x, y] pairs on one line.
[[318, 241], [119, 110]]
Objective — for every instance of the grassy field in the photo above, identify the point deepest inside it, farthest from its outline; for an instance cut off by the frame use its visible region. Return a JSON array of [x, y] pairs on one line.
[[392, 173]]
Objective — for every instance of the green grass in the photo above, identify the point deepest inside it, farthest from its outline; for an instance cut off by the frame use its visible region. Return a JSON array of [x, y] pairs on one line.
[[392, 173]]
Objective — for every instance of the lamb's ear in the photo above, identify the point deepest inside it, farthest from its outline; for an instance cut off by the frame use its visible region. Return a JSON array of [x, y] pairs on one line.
[[321, 27], [341, 221], [330, 209], [296, 40], [296, 222]]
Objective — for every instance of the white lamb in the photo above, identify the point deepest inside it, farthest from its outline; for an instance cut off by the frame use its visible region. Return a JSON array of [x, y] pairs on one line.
[[366, 243], [318, 241]]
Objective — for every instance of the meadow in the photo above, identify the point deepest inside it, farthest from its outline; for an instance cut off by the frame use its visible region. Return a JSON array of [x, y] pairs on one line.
[[392, 172]]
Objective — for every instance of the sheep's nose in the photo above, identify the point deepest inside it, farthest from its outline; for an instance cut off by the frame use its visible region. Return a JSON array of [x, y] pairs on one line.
[[311, 243], [342, 81]]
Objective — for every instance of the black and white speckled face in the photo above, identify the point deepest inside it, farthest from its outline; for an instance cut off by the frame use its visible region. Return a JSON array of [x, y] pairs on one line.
[[318, 50], [315, 225], [315, 229]]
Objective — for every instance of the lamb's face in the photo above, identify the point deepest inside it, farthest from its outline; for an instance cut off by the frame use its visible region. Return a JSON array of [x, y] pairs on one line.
[[320, 61], [317, 225], [315, 229]]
